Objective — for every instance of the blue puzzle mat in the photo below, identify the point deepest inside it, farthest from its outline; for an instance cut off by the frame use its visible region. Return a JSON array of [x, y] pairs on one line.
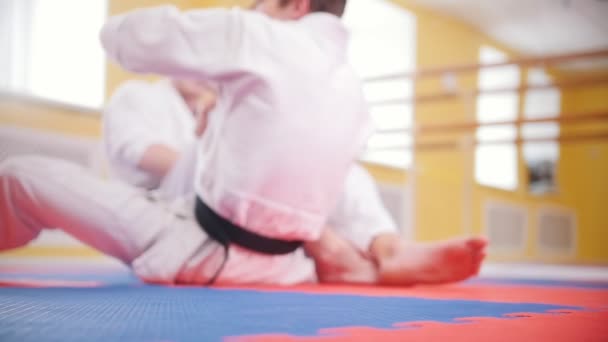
[[114, 306]]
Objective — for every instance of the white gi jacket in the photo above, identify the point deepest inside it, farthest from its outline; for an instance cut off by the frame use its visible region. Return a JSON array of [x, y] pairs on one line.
[[290, 116], [141, 114]]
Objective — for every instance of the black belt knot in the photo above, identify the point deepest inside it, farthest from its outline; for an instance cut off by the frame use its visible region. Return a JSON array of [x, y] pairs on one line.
[[226, 233]]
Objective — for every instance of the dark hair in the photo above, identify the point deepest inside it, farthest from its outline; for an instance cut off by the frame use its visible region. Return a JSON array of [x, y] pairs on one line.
[[335, 7]]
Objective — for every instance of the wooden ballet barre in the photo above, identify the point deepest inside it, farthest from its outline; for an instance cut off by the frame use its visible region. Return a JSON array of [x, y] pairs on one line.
[[588, 82], [573, 118], [463, 68], [442, 145]]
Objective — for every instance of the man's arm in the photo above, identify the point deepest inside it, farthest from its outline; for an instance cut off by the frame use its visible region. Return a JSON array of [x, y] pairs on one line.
[[158, 160], [163, 40], [134, 127], [131, 125]]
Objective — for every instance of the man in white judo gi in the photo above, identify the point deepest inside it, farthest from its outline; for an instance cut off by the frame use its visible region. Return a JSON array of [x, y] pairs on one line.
[[167, 116], [287, 102]]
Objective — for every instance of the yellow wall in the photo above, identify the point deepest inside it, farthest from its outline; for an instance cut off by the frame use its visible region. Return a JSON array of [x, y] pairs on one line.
[[443, 178], [62, 119], [582, 187], [449, 203], [583, 173]]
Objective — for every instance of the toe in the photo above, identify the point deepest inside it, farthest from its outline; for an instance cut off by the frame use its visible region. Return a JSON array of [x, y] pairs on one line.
[[477, 243], [477, 262]]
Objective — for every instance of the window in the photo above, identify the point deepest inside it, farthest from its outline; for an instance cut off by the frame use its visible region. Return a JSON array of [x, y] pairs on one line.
[[541, 157], [496, 164], [383, 42], [53, 50]]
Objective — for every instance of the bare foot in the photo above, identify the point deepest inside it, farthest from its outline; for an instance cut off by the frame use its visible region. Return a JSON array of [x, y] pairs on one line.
[[338, 262], [409, 263]]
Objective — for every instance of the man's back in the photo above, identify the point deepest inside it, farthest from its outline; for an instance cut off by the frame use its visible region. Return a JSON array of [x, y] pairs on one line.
[[290, 116], [291, 128]]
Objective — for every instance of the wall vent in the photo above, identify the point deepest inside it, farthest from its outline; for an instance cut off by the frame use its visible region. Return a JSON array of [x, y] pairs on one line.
[[506, 227], [556, 232]]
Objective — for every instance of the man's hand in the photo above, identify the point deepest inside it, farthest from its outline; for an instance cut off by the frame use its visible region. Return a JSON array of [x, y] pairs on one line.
[[338, 262], [200, 98], [158, 160], [204, 104]]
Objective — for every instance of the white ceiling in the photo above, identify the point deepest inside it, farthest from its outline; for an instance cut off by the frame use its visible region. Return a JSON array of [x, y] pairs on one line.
[[534, 27]]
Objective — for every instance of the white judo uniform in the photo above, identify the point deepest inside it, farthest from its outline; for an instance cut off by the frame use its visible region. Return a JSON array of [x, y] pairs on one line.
[[289, 121], [142, 114]]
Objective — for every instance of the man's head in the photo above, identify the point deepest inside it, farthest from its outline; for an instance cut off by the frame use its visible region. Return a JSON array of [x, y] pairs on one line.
[[296, 9]]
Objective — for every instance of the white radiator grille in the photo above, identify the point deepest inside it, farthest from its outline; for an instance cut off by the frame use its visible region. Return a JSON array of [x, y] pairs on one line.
[[556, 232], [506, 226]]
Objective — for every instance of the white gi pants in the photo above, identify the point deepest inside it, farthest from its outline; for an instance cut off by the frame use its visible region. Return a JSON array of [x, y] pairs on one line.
[[161, 241]]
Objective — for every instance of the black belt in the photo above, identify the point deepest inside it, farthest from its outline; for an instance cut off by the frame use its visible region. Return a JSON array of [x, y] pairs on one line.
[[226, 233]]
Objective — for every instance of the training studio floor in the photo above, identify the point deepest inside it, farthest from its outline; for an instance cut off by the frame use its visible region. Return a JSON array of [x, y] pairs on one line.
[[99, 300]]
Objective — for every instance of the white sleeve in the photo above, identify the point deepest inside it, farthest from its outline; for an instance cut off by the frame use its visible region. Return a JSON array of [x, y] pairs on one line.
[[360, 215], [204, 43], [129, 129], [179, 182]]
